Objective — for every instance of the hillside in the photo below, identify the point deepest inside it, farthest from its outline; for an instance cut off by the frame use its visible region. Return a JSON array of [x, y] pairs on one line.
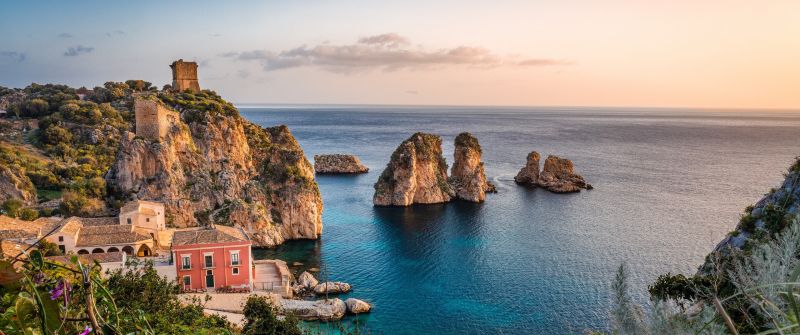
[[75, 152]]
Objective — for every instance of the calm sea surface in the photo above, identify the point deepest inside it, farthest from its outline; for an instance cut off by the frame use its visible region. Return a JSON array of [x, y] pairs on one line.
[[668, 185]]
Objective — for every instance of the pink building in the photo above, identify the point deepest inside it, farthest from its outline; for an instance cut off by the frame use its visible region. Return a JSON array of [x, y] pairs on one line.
[[213, 258]]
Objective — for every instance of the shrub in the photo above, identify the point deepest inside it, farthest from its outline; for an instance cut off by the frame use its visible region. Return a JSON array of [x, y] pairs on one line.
[[56, 135], [12, 206], [28, 214], [261, 318], [35, 108], [74, 203]]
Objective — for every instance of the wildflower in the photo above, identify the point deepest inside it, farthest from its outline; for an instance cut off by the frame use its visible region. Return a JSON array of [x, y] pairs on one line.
[[86, 331], [38, 278], [57, 291]]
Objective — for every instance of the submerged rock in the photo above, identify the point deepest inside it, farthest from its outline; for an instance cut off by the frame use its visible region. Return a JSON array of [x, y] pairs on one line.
[[416, 174], [356, 306], [468, 178], [323, 310], [331, 288], [557, 176], [338, 163]]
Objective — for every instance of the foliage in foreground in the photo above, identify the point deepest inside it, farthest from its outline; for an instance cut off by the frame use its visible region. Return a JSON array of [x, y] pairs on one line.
[[764, 300]]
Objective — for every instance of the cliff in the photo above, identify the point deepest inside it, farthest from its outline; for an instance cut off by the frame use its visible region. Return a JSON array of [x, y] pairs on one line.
[[212, 166], [467, 176], [769, 216], [416, 174], [558, 174], [338, 164]]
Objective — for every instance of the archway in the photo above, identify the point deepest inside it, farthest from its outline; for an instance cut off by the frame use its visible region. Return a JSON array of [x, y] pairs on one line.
[[144, 251], [128, 250], [97, 251], [113, 249], [83, 252]]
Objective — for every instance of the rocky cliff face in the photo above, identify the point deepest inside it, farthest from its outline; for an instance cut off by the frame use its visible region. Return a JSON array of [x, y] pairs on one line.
[[416, 174], [338, 163], [467, 176], [768, 216], [15, 185], [215, 167], [558, 175]]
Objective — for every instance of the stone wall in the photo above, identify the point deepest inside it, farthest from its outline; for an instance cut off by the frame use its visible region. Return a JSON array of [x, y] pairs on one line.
[[184, 76], [153, 120]]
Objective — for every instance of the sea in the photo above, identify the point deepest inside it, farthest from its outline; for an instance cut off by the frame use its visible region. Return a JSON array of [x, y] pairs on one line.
[[668, 185]]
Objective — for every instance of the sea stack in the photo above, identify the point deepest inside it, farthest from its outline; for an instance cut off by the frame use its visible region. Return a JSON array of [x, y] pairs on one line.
[[338, 164], [416, 174], [558, 175], [467, 177]]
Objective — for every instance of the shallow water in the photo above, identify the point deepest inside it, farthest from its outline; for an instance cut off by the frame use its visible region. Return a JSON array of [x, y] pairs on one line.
[[668, 185]]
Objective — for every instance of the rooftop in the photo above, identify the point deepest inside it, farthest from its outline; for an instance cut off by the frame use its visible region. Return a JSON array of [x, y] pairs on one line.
[[106, 257], [134, 205], [107, 235], [219, 234]]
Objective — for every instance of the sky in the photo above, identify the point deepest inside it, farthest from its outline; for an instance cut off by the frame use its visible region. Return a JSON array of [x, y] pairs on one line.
[[699, 54]]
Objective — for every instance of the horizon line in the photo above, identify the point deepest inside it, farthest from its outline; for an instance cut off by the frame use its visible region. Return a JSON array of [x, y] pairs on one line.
[[653, 108]]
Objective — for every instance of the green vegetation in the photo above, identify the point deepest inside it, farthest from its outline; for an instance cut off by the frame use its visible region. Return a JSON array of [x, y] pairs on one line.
[[11, 207], [468, 141], [261, 318]]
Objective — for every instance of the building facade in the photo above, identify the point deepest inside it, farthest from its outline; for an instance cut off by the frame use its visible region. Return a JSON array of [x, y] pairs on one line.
[[211, 258]]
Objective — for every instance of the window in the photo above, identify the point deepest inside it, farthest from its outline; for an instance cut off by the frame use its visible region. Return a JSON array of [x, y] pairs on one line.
[[62, 248], [187, 282], [61, 238], [186, 262], [209, 261], [147, 219], [235, 271], [235, 258], [129, 220]]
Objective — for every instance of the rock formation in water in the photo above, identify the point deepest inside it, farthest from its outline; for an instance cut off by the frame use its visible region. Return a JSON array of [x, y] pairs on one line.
[[529, 175], [558, 175], [416, 174], [357, 306], [467, 176], [338, 164], [330, 287], [213, 166]]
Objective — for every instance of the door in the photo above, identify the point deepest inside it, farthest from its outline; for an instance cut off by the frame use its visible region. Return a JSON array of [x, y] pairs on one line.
[[209, 279]]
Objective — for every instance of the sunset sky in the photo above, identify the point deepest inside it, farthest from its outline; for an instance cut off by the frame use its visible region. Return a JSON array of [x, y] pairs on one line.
[[739, 54]]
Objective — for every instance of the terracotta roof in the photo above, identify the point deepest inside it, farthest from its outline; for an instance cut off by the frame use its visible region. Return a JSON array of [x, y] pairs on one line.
[[106, 257], [31, 228], [219, 234], [134, 205], [101, 221], [73, 224], [10, 250], [108, 235]]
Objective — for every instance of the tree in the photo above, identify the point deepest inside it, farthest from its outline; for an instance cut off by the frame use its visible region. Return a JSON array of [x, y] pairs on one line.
[[57, 134], [261, 318], [12, 206], [35, 107]]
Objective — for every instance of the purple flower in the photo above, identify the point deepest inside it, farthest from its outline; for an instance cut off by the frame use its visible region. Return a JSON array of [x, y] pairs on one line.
[[57, 291], [38, 278], [62, 288], [86, 331]]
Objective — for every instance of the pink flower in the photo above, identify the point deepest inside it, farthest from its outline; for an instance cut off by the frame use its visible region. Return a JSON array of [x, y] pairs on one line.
[[86, 331]]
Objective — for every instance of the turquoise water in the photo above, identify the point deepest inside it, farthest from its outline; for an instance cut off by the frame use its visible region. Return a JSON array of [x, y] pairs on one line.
[[668, 185]]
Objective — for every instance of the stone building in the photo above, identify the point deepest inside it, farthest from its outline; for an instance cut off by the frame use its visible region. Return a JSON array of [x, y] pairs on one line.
[[153, 120], [147, 218], [184, 76]]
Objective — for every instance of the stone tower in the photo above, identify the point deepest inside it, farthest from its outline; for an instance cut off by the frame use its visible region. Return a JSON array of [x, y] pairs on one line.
[[184, 76], [153, 120]]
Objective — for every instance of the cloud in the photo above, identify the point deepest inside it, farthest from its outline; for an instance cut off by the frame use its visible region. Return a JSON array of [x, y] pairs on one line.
[[388, 52], [115, 33], [65, 35], [78, 50], [13, 55]]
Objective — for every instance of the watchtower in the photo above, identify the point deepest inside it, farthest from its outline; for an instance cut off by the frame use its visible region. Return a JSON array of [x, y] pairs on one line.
[[153, 120], [184, 76]]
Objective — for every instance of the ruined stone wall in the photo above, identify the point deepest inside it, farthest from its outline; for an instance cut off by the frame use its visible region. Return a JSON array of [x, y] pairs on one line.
[[153, 120], [184, 76]]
